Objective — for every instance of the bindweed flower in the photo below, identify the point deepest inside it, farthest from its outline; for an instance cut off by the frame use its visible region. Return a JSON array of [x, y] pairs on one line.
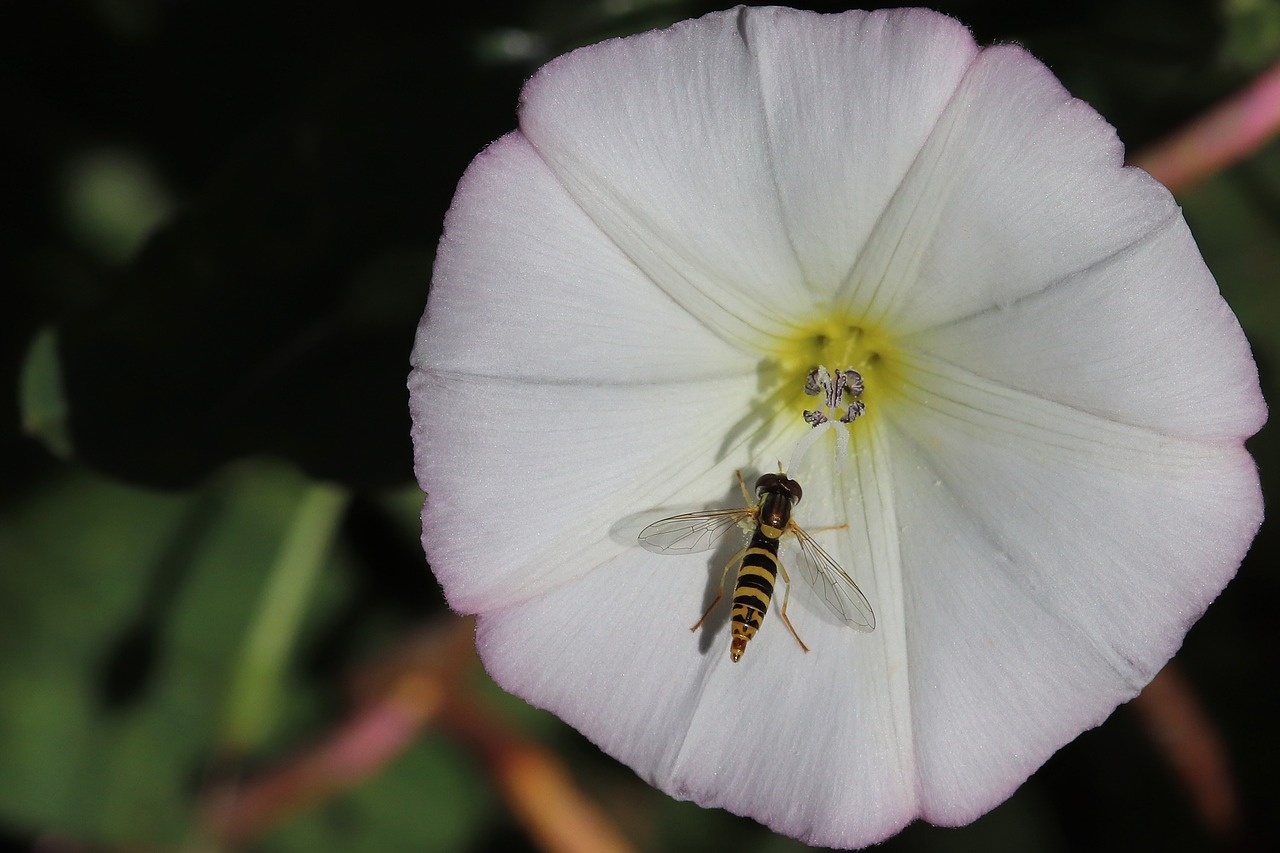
[[1039, 486]]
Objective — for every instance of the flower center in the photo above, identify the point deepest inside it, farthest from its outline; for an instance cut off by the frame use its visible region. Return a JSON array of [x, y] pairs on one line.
[[839, 344], [798, 399], [830, 372]]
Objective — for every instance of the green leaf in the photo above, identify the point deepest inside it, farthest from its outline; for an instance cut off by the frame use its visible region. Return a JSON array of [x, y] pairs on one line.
[[41, 399], [431, 798], [258, 684], [1252, 32], [122, 614]]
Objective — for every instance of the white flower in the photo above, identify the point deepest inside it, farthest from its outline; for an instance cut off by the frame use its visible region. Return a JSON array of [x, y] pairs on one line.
[[1048, 485]]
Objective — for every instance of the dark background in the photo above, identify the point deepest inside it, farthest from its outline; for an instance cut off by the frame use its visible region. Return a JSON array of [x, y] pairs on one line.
[[219, 225]]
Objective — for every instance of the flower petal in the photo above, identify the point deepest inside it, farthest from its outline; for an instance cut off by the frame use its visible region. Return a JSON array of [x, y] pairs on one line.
[[661, 139], [1053, 562], [524, 480], [506, 301], [1019, 186], [1142, 338], [818, 745], [815, 745], [849, 101]]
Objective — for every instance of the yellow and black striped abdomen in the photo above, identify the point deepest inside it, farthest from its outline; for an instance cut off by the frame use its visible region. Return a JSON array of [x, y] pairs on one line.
[[752, 591]]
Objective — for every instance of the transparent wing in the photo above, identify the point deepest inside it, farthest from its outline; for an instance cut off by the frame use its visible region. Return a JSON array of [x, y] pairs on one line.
[[691, 532], [834, 586]]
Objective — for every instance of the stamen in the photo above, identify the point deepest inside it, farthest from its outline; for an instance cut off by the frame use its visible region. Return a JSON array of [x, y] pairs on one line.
[[856, 410], [814, 419], [832, 387], [817, 382]]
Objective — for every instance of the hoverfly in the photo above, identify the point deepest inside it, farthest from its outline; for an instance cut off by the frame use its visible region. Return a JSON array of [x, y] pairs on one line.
[[767, 520]]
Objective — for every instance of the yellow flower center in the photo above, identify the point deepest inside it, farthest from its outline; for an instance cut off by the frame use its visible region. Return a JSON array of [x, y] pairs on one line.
[[837, 343]]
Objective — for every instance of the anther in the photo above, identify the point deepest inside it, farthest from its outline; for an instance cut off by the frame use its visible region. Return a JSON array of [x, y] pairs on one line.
[[832, 388]]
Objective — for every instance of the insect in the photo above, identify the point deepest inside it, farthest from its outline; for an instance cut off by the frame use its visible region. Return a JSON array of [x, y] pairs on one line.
[[767, 520]]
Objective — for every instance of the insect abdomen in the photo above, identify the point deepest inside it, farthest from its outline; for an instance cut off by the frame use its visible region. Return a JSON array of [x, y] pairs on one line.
[[752, 591]]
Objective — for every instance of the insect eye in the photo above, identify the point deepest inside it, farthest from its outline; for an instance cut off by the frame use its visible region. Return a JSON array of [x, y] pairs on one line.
[[767, 482], [779, 482]]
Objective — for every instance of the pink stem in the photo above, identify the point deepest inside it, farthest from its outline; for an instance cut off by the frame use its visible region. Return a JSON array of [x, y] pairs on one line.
[[1227, 133], [1180, 726]]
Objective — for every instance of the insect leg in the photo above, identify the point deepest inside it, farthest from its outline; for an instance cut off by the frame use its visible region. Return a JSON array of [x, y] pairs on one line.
[[783, 613], [742, 484], [720, 594]]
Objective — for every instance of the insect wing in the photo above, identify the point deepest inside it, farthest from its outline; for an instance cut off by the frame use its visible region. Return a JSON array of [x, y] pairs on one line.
[[833, 584], [691, 532]]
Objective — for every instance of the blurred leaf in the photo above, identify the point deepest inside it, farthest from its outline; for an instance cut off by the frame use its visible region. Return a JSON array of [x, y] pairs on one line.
[[92, 569], [41, 400], [432, 798], [113, 200], [270, 643], [1252, 33]]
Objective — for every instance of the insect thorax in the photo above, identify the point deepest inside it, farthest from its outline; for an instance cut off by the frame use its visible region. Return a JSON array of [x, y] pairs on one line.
[[775, 513]]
